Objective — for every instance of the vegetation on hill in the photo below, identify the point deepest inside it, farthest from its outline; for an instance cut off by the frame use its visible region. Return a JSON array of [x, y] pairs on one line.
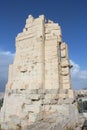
[[1, 102], [82, 106]]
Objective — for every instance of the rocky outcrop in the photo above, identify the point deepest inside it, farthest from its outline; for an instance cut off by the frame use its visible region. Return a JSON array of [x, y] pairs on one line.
[[39, 79], [64, 117]]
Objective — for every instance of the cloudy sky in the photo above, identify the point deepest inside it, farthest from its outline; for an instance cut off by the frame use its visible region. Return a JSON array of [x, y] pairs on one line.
[[70, 14]]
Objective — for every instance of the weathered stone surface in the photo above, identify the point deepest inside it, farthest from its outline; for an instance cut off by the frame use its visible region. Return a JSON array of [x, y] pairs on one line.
[[39, 78], [55, 121]]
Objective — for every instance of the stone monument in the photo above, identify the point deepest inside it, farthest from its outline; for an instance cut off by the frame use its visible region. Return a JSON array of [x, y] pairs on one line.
[[39, 78]]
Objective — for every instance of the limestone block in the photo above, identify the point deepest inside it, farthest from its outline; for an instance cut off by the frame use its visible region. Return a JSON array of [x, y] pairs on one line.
[[50, 37], [65, 71], [53, 26], [10, 73], [32, 108], [22, 68], [63, 109], [46, 101], [56, 32], [12, 109], [66, 82], [65, 77], [51, 96], [63, 90], [42, 17], [2, 113], [47, 108], [63, 46], [54, 101], [28, 101], [29, 21], [24, 123], [71, 93], [65, 63], [50, 99], [63, 54], [39, 126], [66, 86], [63, 95], [24, 115], [35, 97], [38, 103], [30, 17], [61, 101], [15, 120], [68, 101], [51, 91], [40, 91], [34, 117]]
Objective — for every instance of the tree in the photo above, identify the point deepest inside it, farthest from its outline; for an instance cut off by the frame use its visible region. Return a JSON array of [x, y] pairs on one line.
[[1, 102]]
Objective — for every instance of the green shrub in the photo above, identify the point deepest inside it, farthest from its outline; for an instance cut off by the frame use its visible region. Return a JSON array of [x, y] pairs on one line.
[[82, 106], [1, 102]]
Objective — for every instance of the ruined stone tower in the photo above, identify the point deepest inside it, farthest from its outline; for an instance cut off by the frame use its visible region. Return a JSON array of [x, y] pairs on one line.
[[40, 74]]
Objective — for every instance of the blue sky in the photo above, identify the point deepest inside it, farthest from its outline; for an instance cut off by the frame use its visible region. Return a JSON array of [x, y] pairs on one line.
[[71, 16]]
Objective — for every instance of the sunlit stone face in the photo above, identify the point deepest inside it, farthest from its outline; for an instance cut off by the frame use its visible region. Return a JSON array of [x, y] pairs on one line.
[[39, 75]]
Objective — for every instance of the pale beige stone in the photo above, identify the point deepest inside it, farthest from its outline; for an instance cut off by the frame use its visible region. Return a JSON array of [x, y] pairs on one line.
[[39, 75]]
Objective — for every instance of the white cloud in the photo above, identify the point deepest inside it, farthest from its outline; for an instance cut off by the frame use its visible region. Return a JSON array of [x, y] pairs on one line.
[[75, 69], [79, 77], [6, 58], [8, 53]]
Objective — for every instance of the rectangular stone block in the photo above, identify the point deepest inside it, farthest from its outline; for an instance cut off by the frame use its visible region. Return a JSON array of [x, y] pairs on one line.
[[32, 108]]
